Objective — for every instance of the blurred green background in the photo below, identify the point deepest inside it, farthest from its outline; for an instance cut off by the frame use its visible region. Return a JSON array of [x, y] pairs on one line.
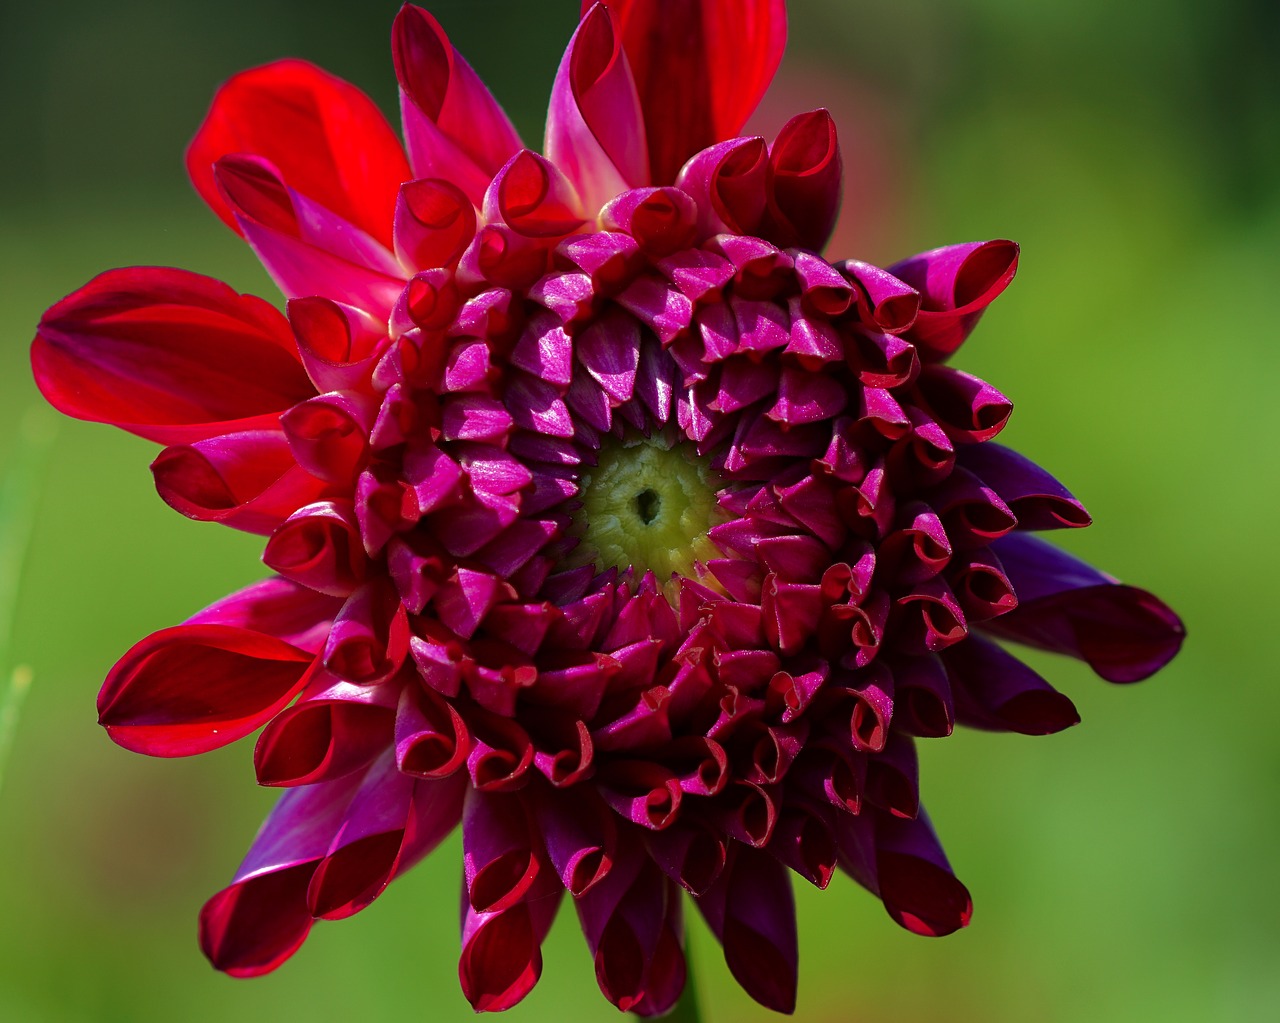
[[1122, 871]]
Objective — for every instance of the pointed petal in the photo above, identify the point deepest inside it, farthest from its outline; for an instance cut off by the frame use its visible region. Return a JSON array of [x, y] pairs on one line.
[[192, 688], [595, 130], [700, 67], [169, 355], [329, 140], [1124, 634], [453, 126]]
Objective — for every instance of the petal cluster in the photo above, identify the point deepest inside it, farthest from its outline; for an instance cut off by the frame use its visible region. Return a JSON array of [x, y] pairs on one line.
[[468, 323]]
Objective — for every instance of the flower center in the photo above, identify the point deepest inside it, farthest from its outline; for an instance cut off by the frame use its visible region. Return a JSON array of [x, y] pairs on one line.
[[647, 505]]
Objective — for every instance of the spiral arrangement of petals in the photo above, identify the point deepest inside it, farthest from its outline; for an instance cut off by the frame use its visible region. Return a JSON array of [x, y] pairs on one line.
[[470, 324]]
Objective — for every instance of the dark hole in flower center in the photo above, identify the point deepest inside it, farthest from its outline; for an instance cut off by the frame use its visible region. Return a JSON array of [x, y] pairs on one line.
[[648, 503]]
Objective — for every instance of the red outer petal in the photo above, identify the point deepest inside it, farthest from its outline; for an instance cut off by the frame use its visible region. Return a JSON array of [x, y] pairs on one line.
[[700, 67], [452, 124], [169, 355], [328, 139], [193, 688]]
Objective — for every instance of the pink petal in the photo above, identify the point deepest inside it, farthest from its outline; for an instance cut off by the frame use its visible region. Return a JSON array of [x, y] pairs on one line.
[[595, 130], [453, 126]]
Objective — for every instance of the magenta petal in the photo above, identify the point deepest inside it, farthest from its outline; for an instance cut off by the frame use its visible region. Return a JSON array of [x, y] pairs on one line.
[[956, 284], [729, 182], [595, 131], [370, 636], [339, 343], [752, 911], [192, 688], [333, 729], [249, 481], [581, 836], [391, 823], [258, 921], [1124, 634], [502, 951], [435, 222], [168, 355], [453, 126], [277, 607]]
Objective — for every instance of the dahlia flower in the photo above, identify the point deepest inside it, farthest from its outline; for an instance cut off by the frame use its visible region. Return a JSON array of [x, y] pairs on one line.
[[606, 518]]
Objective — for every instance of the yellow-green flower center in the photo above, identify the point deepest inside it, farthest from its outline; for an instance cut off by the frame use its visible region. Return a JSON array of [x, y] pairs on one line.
[[647, 505]]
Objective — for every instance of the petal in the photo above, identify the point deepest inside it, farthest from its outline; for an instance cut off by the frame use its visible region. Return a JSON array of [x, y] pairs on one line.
[[307, 249], [805, 183], [453, 126], [956, 284], [700, 67], [995, 690], [329, 140], [258, 921], [291, 613], [595, 130], [752, 911], [192, 688], [1036, 499], [169, 355], [248, 480], [1124, 634]]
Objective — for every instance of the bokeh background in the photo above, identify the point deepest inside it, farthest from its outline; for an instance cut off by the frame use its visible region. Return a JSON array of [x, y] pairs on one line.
[[1123, 871]]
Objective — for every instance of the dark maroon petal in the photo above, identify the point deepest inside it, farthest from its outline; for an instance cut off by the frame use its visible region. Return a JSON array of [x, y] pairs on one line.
[[1124, 634], [192, 688], [806, 175], [258, 921], [692, 854], [994, 690], [168, 355], [632, 924], [501, 852], [751, 910], [916, 882], [700, 67], [968, 409], [805, 842], [581, 836], [956, 284]]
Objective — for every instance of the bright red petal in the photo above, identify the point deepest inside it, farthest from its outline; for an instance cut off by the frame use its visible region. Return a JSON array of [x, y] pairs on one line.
[[700, 66], [329, 140], [169, 355]]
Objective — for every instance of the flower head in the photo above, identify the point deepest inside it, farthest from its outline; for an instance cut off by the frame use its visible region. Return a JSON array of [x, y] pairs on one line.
[[607, 519]]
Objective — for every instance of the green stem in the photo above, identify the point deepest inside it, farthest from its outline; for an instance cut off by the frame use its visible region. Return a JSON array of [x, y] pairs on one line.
[[19, 495]]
